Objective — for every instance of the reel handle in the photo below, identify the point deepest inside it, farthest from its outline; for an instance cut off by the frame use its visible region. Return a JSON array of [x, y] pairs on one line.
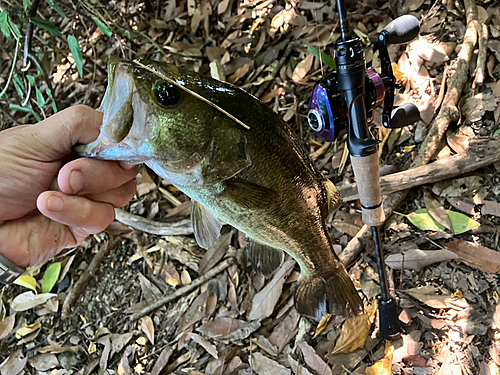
[[402, 29], [404, 115]]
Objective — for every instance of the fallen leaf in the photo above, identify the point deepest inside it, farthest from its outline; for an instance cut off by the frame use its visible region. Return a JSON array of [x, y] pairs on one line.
[[210, 348], [148, 327], [436, 52], [458, 142], [44, 362], [272, 94], [411, 346], [240, 73], [458, 187], [6, 326], [27, 281], [313, 360], [322, 324], [220, 327], [264, 302], [437, 211], [476, 256], [50, 277], [28, 300], [56, 348], [426, 107], [162, 360], [423, 220], [384, 366], [302, 68], [265, 366], [418, 259], [355, 331], [475, 106], [297, 368], [431, 296], [27, 329], [14, 364], [461, 223], [490, 208]]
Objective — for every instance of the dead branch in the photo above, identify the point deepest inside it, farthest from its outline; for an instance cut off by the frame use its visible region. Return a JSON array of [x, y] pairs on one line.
[[480, 154], [79, 287], [482, 32], [185, 289], [179, 228], [448, 113]]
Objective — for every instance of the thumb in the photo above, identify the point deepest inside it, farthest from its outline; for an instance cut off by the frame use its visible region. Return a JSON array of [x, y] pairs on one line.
[[59, 133]]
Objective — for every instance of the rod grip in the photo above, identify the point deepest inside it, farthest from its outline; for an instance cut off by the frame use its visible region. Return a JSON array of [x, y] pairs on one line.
[[366, 171]]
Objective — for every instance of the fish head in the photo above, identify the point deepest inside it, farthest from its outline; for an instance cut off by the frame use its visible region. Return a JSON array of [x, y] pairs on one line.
[[159, 114]]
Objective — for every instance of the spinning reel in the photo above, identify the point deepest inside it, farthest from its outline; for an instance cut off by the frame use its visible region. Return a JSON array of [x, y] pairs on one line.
[[346, 98]]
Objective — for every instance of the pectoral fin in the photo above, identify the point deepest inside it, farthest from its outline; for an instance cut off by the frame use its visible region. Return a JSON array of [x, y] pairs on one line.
[[205, 225], [248, 195], [334, 197], [265, 259]]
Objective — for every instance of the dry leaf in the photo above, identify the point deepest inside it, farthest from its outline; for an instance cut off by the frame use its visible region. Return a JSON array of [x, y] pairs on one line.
[[458, 142], [27, 329], [55, 348], [148, 327], [302, 68], [475, 106], [28, 300], [14, 364], [322, 325], [458, 187], [297, 368], [264, 302], [240, 73], [436, 52], [355, 331], [426, 107], [418, 259], [162, 360], [220, 327], [431, 296], [313, 360], [6, 326], [44, 362], [210, 348], [437, 211], [490, 208], [265, 366], [272, 94], [476, 256], [411, 346], [384, 366]]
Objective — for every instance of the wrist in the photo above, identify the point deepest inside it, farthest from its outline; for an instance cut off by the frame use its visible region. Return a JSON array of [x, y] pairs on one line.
[[9, 272]]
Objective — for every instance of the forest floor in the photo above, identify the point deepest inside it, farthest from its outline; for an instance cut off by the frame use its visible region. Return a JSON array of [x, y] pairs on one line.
[[442, 246]]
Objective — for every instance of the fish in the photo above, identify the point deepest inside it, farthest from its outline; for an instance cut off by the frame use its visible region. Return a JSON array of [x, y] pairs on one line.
[[240, 164]]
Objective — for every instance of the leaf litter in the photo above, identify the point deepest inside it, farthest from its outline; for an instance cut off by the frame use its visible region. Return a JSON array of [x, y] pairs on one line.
[[452, 275]]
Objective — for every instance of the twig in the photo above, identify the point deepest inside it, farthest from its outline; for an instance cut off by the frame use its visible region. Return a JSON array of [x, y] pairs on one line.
[[179, 228], [84, 279], [448, 112], [479, 154], [442, 89], [181, 291], [482, 32], [320, 151]]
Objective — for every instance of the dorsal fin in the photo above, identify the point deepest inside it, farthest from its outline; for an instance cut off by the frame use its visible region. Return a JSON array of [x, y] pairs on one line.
[[205, 225], [264, 258]]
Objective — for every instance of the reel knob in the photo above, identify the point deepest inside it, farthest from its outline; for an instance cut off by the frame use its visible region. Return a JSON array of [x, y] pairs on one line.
[[320, 116]]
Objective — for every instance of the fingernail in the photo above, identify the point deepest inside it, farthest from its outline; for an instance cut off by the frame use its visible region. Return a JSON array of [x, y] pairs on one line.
[[55, 203], [76, 181], [126, 166]]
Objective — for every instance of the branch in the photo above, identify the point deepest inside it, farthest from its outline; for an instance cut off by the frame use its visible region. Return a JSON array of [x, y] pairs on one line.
[[179, 228]]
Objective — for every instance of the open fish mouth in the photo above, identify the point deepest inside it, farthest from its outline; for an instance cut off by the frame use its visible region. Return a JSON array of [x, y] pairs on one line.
[[124, 118]]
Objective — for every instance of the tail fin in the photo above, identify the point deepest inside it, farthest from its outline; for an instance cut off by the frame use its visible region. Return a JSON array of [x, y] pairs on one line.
[[333, 293]]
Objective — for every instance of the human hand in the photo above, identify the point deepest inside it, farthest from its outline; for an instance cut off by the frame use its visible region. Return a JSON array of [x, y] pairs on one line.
[[48, 201]]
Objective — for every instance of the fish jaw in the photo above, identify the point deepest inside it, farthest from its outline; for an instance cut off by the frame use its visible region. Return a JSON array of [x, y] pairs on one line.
[[122, 135]]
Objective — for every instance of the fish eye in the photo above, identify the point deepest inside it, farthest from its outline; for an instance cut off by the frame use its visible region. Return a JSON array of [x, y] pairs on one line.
[[166, 94]]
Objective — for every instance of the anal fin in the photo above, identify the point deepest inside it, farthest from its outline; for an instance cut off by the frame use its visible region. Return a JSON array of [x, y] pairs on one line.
[[206, 226], [264, 258]]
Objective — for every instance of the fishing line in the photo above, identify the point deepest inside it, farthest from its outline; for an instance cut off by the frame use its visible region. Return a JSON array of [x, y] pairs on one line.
[[191, 92]]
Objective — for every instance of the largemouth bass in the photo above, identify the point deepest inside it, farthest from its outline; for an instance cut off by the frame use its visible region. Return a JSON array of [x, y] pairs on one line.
[[239, 163]]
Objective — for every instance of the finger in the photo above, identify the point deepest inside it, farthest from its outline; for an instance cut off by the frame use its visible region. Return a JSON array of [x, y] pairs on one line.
[[89, 176], [75, 211], [56, 136], [118, 197]]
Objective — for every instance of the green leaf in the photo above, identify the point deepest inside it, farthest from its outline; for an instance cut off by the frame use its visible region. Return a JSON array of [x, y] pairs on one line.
[[461, 223], [50, 277], [25, 4], [77, 53], [31, 79], [20, 108], [56, 8], [39, 98], [322, 57], [4, 25], [18, 84], [49, 26], [496, 132], [423, 220], [27, 281], [103, 27], [14, 28], [49, 94]]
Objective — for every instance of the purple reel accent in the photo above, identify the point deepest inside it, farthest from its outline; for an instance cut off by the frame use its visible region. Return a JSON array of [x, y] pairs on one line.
[[320, 115], [379, 86]]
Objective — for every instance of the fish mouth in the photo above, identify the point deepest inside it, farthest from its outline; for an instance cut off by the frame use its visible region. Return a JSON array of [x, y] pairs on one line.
[[124, 118]]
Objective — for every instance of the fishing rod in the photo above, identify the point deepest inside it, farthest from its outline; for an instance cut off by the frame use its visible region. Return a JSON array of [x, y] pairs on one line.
[[345, 99]]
